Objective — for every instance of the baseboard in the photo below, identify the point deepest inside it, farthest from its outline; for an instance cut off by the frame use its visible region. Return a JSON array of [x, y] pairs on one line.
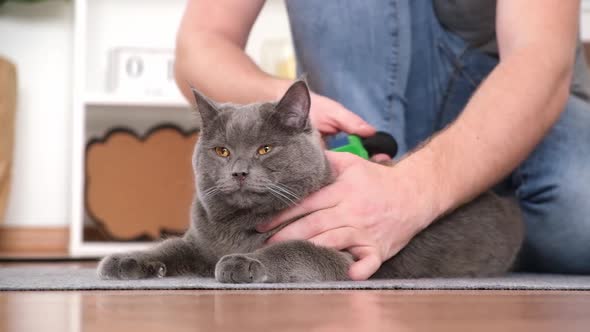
[[34, 241]]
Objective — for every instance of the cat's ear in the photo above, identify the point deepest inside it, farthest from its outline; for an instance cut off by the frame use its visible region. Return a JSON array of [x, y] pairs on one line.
[[205, 106], [292, 110]]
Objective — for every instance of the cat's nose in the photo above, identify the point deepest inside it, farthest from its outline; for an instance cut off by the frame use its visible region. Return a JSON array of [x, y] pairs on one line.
[[240, 176]]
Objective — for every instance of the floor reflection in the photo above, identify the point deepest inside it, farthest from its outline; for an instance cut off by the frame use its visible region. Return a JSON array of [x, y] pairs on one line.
[[34, 311], [283, 311]]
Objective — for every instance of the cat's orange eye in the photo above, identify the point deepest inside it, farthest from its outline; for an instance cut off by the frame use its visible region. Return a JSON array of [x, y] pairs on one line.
[[264, 149], [222, 151]]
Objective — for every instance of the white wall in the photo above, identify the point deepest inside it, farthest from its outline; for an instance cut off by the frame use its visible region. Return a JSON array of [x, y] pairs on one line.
[[37, 38], [585, 20]]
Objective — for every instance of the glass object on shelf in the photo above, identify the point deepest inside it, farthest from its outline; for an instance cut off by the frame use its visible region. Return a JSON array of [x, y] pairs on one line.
[[278, 59]]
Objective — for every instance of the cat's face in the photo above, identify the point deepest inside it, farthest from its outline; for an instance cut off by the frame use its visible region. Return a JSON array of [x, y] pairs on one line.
[[260, 156]]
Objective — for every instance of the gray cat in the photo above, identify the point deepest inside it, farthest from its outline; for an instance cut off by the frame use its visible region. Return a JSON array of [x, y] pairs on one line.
[[253, 161]]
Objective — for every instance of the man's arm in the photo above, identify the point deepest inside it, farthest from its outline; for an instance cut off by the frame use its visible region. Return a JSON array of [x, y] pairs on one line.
[[210, 56], [513, 108], [210, 52]]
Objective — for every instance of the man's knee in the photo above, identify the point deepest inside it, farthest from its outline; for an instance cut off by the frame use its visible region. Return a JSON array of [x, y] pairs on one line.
[[554, 189], [558, 230]]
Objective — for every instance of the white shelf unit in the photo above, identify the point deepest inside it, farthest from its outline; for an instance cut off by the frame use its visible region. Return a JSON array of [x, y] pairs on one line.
[[102, 25]]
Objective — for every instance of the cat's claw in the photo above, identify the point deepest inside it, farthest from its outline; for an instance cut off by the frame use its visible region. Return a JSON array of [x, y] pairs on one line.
[[121, 267], [161, 271], [240, 269]]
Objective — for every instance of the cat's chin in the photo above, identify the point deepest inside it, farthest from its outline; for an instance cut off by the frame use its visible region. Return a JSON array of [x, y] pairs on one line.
[[244, 199], [259, 202]]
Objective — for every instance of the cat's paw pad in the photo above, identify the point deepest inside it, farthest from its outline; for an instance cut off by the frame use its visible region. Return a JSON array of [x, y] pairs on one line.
[[127, 267], [240, 269]]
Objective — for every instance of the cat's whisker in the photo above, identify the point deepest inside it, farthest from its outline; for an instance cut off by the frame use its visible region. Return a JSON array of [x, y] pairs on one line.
[[286, 191], [209, 190], [204, 196], [281, 196], [291, 199], [286, 186], [212, 188], [291, 192], [209, 193]]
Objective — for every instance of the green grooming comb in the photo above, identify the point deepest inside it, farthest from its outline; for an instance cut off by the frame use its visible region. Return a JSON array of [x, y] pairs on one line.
[[354, 146]]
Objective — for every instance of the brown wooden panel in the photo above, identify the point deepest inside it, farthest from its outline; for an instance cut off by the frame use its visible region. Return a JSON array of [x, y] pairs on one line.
[[34, 241], [7, 114], [141, 186]]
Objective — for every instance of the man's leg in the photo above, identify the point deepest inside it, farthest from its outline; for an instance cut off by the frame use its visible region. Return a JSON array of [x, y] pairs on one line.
[[553, 186]]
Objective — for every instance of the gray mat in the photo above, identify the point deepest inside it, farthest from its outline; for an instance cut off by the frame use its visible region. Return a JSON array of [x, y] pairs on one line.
[[52, 278]]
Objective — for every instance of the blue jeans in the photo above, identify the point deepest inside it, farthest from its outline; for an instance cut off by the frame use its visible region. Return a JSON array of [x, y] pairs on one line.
[[392, 63]]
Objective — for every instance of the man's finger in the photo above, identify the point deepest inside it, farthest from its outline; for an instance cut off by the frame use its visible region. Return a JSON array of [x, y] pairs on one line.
[[367, 263], [325, 198], [381, 158], [351, 123], [339, 238], [306, 227]]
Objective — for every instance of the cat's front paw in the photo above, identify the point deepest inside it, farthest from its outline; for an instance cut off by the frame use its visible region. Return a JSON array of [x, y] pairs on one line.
[[129, 267], [240, 269]]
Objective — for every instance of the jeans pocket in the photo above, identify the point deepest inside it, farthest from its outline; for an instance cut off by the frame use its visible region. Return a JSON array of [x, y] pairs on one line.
[[468, 68], [473, 66]]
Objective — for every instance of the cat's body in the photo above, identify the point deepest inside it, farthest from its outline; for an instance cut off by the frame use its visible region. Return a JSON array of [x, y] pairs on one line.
[[254, 161]]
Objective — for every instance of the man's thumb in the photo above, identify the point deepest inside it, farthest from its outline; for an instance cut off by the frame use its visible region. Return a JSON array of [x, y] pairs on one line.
[[351, 123]]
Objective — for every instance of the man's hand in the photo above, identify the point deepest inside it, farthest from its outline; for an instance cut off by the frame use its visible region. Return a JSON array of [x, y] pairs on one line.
[[330, 117], [369, 210]]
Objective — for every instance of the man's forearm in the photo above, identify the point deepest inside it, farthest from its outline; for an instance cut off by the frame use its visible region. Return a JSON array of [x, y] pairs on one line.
[[505, 119], [222, 70]]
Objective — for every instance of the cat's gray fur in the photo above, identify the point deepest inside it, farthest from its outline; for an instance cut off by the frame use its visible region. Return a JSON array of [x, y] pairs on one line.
[[481, 238]]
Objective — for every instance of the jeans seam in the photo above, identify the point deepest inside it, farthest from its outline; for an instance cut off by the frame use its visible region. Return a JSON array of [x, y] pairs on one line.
[[393, 65], [458, 71], [449, 84], [458, 66]]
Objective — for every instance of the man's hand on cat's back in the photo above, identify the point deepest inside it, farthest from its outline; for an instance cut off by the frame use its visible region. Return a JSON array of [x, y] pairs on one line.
[[331, 117], [371, 210]]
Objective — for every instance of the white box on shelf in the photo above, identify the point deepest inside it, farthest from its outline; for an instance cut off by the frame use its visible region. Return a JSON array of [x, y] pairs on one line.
[[142, 72]]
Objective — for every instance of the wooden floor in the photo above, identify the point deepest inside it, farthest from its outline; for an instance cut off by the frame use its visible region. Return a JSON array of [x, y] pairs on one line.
[[242, 311]]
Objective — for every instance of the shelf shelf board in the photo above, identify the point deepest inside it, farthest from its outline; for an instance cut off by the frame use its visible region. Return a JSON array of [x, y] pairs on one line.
[[105, 99], [100, 249]]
